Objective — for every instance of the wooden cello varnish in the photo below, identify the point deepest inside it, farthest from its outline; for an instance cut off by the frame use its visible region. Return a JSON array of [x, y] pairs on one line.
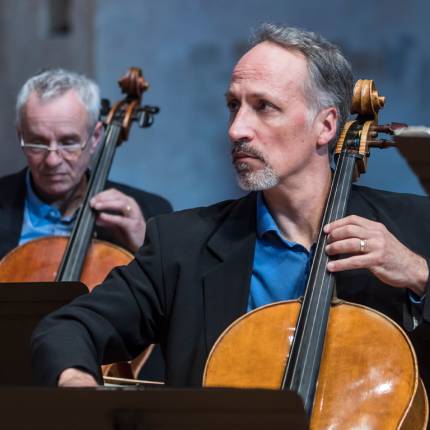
[[371, 387], [353, 367], [43, 257]]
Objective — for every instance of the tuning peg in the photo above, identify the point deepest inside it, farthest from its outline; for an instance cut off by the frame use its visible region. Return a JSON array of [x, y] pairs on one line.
[[104, 108], [146, 117], [390, 128], [380, 143]]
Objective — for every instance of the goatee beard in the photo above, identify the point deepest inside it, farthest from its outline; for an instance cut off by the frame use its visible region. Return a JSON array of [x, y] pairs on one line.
[[249, 180]]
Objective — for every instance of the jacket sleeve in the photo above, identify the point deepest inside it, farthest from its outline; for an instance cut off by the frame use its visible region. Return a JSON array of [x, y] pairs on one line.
[[426, 300], [115, 322]]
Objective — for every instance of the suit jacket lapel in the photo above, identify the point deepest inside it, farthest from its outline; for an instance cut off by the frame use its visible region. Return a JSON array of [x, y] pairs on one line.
[[226, 283]]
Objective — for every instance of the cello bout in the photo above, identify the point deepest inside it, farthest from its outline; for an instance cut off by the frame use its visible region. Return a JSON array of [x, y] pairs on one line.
[[368, 378]]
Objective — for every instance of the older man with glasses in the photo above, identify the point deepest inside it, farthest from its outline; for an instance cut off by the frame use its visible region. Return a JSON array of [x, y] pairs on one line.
[[57, 125]]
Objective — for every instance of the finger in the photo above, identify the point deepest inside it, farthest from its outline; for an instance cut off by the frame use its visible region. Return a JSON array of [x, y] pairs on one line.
[[112, 206], [124, 207], [347, 246], [346, 232], [112, 221], [349, 220], [109, 194], [360, 261]]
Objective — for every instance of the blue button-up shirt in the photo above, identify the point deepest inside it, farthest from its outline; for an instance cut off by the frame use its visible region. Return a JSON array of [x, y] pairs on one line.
[[281, 268], [41, 219]]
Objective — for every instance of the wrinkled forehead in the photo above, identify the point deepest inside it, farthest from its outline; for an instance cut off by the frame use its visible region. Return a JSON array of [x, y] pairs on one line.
[[65, 114], [271, 60], [269, 68], [68, 98]]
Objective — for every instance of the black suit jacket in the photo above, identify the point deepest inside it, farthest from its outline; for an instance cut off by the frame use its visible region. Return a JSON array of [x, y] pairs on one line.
[[191, 280], [12, 198]]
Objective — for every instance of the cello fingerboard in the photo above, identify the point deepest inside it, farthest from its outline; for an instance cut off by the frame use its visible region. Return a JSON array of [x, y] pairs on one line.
[[302, 369], [80, 238]]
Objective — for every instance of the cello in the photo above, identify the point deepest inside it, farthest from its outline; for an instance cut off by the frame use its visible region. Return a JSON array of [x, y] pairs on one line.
[[80, 257], [347, 376]]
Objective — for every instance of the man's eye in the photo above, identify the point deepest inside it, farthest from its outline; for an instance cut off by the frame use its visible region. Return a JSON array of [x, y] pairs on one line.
[[232, 105], [264, 105], [70, 142]]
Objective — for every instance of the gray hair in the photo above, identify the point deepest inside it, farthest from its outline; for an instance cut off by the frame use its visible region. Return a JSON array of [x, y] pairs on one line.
[[330, 81], [53, 83]]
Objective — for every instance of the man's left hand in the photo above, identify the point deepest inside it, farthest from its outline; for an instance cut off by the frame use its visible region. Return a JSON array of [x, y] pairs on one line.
[[369, 245], [121, 215]]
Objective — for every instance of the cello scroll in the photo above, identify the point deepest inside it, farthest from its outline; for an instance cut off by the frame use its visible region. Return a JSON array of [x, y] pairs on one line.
[[124, 112], [362, 133]]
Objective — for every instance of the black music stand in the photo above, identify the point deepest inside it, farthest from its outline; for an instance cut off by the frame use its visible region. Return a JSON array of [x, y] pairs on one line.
[[149, 409], [414, 144], [22, 306]]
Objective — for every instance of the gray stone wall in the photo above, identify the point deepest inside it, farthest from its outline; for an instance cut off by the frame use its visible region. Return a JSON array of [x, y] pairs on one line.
[[187, 49], [38, 34]]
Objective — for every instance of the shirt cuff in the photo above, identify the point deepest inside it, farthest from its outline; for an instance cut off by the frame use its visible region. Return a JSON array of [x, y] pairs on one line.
[[415, 298]]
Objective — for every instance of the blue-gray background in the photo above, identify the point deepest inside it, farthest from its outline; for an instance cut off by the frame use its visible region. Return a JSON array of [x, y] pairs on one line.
[[187, 49]]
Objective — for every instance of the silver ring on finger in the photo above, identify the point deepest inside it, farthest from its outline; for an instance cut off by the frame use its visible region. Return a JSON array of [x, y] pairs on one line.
[[126, 211]]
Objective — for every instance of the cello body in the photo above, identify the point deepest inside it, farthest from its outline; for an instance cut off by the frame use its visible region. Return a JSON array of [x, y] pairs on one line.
[[368, 378], [43, 257]]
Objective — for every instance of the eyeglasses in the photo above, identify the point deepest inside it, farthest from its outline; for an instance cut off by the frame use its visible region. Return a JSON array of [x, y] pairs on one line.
[[67, 149]]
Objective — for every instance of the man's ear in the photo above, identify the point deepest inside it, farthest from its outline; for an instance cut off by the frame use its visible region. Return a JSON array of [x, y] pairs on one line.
[[97, 136], [326, 125]]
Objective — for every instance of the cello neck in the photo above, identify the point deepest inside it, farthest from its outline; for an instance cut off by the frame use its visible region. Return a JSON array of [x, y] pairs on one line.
[[301, 373], [302, 369], [118, 120], [80, 238]]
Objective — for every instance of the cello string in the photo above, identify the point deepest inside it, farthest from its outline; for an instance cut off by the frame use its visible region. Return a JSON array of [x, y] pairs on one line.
[[317, 312], [298, 348], [309, 318]]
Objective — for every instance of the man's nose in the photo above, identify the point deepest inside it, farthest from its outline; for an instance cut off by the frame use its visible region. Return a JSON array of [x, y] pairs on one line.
[[53, 158], [241, 127]]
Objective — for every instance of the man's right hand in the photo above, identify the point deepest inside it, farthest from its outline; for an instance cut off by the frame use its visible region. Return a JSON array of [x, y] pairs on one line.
[[76, 378]]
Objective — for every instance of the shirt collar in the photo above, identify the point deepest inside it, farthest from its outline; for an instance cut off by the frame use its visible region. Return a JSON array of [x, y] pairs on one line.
[[38, 207], [265, 221], [266, 225]]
